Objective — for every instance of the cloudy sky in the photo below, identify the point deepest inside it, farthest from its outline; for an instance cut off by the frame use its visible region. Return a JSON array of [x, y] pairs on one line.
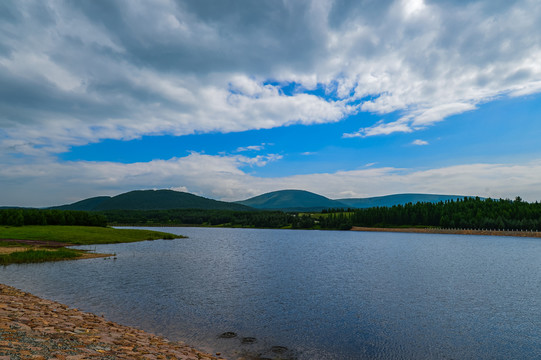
[[233, 98]]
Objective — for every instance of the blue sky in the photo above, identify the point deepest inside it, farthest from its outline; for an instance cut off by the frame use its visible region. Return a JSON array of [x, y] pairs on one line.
[[499, 131], [230, 100]]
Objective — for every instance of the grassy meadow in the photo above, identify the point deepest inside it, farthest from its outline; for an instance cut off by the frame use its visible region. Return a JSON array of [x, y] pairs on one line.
[[80, 235], [17, 253], [39, 255]]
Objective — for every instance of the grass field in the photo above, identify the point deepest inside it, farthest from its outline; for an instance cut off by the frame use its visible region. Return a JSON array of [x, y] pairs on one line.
[[36, 250], [35, 255], [81, 235]]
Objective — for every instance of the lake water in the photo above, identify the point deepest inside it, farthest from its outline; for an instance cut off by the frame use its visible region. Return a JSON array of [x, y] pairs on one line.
[[320, 294]]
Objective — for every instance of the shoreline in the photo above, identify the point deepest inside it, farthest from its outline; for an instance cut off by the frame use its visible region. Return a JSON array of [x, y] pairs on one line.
[[36, 328], [16, 245], [533, 234]]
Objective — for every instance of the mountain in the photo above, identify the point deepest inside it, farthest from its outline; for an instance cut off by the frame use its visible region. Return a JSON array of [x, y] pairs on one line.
[[291, 200], [83, 205], [152, 200], [398, 199]]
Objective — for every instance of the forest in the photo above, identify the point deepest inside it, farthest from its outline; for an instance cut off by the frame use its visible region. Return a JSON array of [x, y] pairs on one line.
[[467, 213], [232, 218], [20, 217]]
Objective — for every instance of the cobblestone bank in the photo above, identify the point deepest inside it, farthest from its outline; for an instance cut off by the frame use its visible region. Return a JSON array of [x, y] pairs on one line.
[[34, 328]]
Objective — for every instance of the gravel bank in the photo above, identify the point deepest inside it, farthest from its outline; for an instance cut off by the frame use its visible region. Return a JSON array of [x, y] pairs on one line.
[[536, 234], [34, 328]]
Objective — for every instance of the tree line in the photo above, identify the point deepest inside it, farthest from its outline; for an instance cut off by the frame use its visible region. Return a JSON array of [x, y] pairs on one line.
[[20, 217], [233, 218], [467, 213]]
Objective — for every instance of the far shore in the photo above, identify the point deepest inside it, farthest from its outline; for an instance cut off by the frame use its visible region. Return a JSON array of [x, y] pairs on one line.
[[534, 234]]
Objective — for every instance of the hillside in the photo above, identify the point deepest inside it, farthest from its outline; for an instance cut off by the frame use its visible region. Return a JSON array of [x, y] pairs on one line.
[[397, 199], [152, 200], [83, 205], [291, 200]]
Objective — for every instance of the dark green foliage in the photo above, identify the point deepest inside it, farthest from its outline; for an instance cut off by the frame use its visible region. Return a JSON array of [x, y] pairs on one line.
[[467, 213], [263, 219], [33, 256], [303, 222], [20, 217]]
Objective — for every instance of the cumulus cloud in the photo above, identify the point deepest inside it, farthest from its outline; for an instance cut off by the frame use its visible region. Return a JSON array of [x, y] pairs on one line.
[[79, 72], [419, 142]]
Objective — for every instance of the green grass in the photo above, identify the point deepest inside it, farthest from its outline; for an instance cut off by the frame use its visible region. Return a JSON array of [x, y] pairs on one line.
[[81, 235], [9, 244], [35, 256]]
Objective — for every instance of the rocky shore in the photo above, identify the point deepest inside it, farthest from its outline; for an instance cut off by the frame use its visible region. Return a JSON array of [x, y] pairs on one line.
[[34, 328], [452, 231]]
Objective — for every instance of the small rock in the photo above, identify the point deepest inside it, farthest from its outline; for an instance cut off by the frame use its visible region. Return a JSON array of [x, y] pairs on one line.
[[228, 335], [278, 349], [248, 340]]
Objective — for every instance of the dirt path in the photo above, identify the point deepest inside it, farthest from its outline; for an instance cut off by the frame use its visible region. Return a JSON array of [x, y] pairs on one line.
[[11, 249], [50, 244]]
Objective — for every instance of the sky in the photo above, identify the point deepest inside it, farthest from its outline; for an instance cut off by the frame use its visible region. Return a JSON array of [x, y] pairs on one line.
[[230, 99]]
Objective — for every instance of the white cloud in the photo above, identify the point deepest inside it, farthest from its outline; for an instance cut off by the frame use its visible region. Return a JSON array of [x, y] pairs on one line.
[[427, 117], [381, 128], [251, 148], [222, 177], [76, 76], [419, 142], [259, 160], [179, 188]]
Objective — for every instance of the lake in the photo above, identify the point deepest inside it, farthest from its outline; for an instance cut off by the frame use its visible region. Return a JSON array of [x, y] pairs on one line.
[[296, 294]]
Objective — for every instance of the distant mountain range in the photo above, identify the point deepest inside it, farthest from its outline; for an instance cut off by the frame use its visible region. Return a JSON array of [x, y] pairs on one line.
[[397, 199], [285, 200], [300, 200]]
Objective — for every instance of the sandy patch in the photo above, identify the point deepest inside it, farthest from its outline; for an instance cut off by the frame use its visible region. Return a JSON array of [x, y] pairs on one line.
[[11, 249]]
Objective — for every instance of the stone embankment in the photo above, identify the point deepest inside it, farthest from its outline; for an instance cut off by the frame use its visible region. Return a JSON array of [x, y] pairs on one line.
[[452, 231], [34, 328]]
